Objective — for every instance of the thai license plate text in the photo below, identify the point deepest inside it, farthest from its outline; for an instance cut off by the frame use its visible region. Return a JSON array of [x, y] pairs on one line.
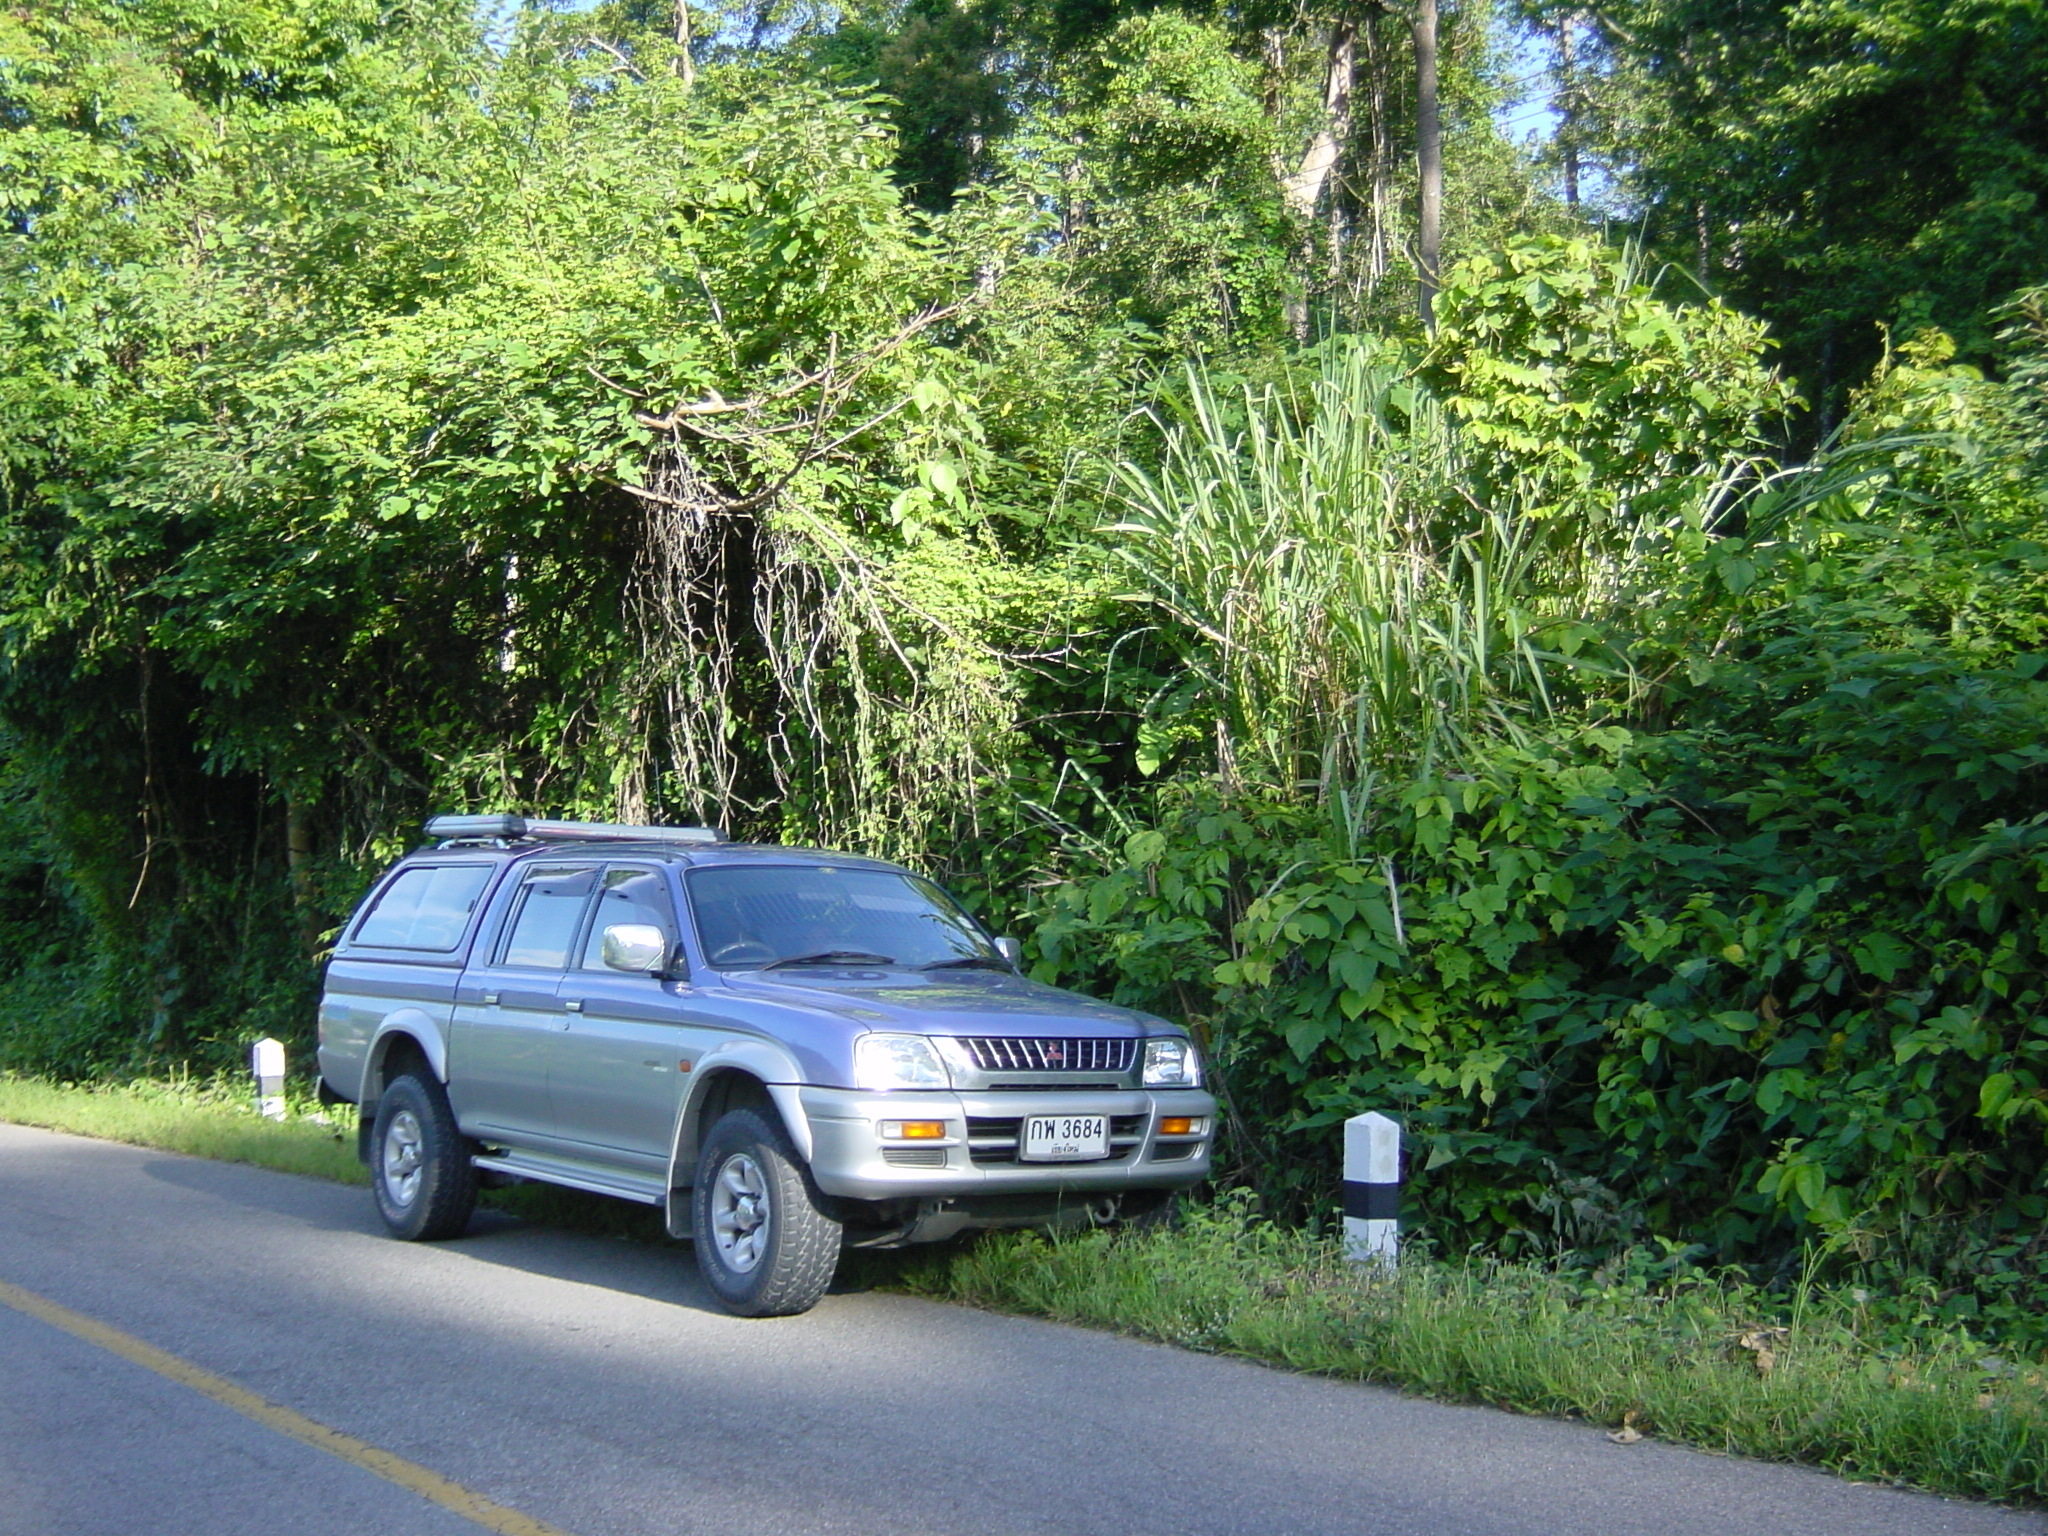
[[1063, 1138]]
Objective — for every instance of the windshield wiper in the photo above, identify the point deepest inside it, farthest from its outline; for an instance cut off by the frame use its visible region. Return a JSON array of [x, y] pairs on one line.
[[962, 962], [832, 957]]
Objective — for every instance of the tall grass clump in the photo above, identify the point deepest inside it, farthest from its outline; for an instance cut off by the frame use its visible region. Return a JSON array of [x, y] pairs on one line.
[[1352, 604]]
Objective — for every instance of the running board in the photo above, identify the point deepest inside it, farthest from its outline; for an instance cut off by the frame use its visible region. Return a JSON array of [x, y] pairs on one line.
[[597, 1181]]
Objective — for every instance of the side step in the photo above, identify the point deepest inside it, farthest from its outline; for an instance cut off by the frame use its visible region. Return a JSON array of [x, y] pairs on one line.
[[595, 1179]]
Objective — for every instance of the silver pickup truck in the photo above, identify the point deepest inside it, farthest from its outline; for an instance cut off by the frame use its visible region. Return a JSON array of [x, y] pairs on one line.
[[787, 1051]]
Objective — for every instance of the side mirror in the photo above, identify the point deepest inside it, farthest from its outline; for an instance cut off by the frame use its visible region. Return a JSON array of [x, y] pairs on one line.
[[1011, 951], [635, 947]]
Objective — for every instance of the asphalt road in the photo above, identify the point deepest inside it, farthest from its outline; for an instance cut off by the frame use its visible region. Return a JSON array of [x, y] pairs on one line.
[[588, 1384]]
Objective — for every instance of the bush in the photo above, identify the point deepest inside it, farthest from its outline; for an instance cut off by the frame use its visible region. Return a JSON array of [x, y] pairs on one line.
[[1765, 973]]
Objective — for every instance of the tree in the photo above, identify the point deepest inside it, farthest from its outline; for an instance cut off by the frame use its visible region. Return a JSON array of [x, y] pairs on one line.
[[512, 426], [1840, 166]]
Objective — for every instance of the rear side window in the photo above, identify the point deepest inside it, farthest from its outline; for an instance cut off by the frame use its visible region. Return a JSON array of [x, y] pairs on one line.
[[426, 907], [548, 918]]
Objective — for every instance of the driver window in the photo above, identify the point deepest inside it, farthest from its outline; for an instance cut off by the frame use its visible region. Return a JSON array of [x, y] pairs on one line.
[[630, 895]]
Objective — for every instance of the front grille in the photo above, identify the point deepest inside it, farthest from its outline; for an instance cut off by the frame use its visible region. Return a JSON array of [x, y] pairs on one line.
[[1012, 1053], [914, 1157], [992, 1140]]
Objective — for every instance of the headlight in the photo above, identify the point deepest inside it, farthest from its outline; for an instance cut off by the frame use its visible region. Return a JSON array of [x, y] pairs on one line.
[[1171, 1062], [897, 1061]]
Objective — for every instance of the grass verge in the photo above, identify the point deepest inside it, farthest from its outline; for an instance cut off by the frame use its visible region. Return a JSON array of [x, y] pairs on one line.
[[1822, 1378], [215, 1118], [1839, 1379], [203, 1117]]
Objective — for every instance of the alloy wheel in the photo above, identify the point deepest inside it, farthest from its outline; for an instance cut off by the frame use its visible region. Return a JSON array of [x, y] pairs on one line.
[[739, 1212], [404, 1155]]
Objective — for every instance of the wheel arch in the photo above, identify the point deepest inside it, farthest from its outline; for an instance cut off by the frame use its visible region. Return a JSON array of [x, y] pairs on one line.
[[405, 1041], [750, 1074]]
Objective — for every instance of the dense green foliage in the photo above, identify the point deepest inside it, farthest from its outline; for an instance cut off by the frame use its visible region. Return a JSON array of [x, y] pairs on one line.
[[1842, 165], [1717, 913], [1003, 437]]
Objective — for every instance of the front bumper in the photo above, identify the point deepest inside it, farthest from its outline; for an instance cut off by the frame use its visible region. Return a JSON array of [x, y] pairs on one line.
[[850, 1159]]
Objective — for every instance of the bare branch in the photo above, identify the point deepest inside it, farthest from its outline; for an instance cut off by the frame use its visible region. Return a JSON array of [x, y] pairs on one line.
[[611, 383], [660, 499], [717, 405], [625, 63], [1609, 24]]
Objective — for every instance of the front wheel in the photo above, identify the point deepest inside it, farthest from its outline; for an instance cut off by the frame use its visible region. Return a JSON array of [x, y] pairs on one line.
[[419, 1162], [765, 1248]]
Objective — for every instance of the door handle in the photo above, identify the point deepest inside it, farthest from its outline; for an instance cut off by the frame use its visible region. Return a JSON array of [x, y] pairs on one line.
[[490, 999], [574, 1005]]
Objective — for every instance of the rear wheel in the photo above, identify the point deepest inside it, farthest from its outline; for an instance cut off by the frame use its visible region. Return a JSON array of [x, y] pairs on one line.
[[419, 1162], [765, 1247]]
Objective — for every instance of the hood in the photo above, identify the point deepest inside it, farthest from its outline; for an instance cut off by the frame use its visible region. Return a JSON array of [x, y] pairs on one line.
[[943, 1003]]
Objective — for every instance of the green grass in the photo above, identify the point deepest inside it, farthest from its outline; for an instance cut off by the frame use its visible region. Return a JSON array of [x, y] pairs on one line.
[[1860, 1384], [1845, 1388], [214, 1118]]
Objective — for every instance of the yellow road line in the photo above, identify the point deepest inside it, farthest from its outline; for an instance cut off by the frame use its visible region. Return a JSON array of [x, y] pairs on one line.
[[408, 1475]]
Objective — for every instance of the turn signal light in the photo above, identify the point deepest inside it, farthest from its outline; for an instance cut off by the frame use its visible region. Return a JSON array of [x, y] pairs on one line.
[[913, 1130], [1178, 1125]]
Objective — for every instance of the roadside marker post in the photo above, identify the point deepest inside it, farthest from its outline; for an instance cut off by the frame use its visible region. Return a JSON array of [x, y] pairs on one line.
[[267, 1060], [1372, 1190]]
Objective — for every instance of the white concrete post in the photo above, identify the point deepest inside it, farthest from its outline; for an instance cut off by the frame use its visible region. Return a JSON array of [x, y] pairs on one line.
[[1372, 1190], [267, 1059]]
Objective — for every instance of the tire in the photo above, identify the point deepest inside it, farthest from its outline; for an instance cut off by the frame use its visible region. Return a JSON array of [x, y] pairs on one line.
[[420, 1170], [765, 1247]]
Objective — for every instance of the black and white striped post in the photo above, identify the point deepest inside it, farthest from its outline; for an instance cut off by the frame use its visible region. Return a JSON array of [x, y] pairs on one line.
[[1372, 1190], [267, 1061]]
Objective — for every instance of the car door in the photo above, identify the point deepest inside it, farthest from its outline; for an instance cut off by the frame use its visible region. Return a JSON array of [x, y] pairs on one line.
[[620, 1064], [509, 1014]]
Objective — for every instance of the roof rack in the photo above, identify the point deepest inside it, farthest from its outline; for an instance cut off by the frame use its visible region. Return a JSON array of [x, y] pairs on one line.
[[509, 828]]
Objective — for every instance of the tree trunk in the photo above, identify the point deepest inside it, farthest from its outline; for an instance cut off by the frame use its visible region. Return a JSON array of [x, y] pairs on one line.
[[686, 67], [1377, 64], [298, 857], [1568, 107], [1272, 86], [1304, 188], [1429, 159]]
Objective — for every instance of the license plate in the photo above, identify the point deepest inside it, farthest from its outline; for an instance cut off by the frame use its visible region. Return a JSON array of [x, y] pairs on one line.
[[1063, 1138]]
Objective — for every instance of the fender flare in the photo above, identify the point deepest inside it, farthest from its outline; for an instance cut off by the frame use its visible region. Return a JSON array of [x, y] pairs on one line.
[[413, 1024], [777, 1073]]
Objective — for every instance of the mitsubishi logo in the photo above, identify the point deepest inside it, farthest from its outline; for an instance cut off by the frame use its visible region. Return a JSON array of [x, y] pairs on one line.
[[1055, 1053]]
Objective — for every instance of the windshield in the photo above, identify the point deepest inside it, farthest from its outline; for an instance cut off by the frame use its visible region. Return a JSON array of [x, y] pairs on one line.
[[752, 918]]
